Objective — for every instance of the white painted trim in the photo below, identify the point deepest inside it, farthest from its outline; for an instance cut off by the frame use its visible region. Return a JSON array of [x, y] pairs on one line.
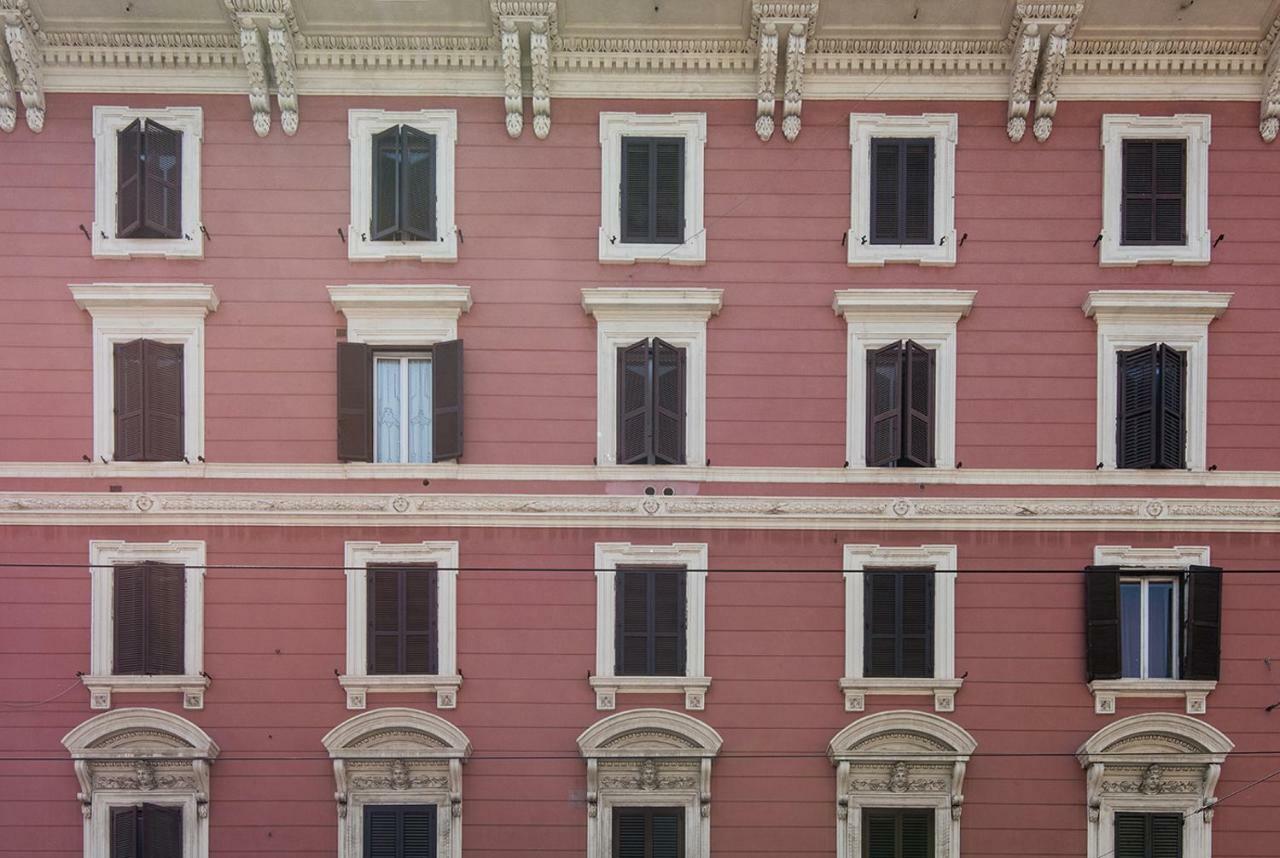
[[362, 124], [164, 312], [678, 316], [107, 122], [1192, 127], [104, 555], [695, 682], [942, 129], [1129, 319], [613, 127], [878, 317], [357, 681], [401, 314]]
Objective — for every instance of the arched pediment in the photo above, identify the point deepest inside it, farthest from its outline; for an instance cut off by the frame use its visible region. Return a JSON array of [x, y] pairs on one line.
[[397, 732], [1156, 733], [139, 732], [901, 733], [649, 733]]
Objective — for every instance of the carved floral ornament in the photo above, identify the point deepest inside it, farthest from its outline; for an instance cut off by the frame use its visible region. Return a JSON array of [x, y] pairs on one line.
[[20, 70], [1040, 36], [769, 21], [539, 18], [266, 31]]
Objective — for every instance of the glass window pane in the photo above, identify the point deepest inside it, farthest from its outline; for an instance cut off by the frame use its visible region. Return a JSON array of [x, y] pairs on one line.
[[420, 410], [386, 410], [1160, 630], [1131, 628]]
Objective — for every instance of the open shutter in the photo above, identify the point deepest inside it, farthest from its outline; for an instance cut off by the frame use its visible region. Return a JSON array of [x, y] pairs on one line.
[[355, 403], [162, 183], [385, 221], [1136, 418], [884, 405], [916, 624], [636, 200], [166, 610], [918, 410], [917, 192], [385, 639], [631, 623], [418, 185], [1102, 621], [880, 622], [668, 190], [886, 204], [129, 399], [163, 417], [667, 834], [1165, 835], [634, 396], [1173, 394], [161, 831], [420, 632], [129, 620], [129, 180], [1202, 623], [668, 403], [1170, 188], [668, 619], [446, 401], [381, 832], [124, 832]]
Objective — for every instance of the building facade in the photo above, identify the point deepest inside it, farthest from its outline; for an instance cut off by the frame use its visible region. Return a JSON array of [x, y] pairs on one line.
[[563, 429]]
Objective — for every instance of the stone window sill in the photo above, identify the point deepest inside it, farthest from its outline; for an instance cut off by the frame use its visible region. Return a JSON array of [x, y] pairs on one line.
[[694, 688], [856, 690], [1105, 692], [358, 688], [191, 686]]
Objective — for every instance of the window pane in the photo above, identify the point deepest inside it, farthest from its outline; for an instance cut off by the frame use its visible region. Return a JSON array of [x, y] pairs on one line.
[[420, 410], [1131, 628], [386, 410], [1160, 629]]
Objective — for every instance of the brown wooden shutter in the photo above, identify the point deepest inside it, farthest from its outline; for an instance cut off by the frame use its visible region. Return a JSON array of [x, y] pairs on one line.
[[1102, 622], [880, 621], [355, 403], [886, 206], [385, 220], [129, 401], [897, 833], [381, 831], [417, 185], [1136, 415], [1153, 210], [129, 620], [636, 201], [161, 831], [648, 832], [420, 615], [635, 415], [163, 388], [129, 180], [884, 405], [915, 625], [898, 623], [166, 618], [1170, 192], [1172, 411], [917, 192], [918, 405], [402, 620], [418, 831], [631, 623], [668, 403], [385, 639], [668, 190], [667, 614], [1202, 624], [124, 832], [162, 181], [1138, 205], [446, 401]]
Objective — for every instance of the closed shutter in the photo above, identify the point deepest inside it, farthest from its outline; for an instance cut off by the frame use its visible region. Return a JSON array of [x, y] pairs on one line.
[[446, 401], [650, 620], [129, 401], [631, 623], [884, 405], [164, 410], [668, 191], [129, 620], [637, 207], [917, 192], [1202, 624], [1154, 192], [402, 620], [399, 831], [129, 180], [1166, 835], [898, 623], [893, 833], [124, 832], [1148, 835], [385, 220], [355, 403], [668, 622], [901, 192], [668, 403], [1102, 622], [667, 830], [162, 181], [642, 832], [1136, 414], [1173, 390], [634, 404], [420, 627], [886, 205], [918, 405], [165, 622], [161, 831], [652, 190], [417, 187]]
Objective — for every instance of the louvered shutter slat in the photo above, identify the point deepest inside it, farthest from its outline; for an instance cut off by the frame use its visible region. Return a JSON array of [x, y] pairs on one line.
[[446, 401], [635, 415], [636, 197], [129, 401], [632, 623], [916, 835], [1138, 180], [918, 410], [1202, 635], [124, 832], [129, 620], [668, 403], [166, 609], [886, 207], [1136, 441], [917, 623], [666, 836], [880, 648], [162, 181], [129, 180], [879, 835], [384, 607], [418, 832], [1173, 391], [164, 410], [355, 403], [917, 193], [1169, 224], [161, 831], [1166, 835], [421, 594], [417, 187], [1131, 835], [385, 221], [668, 191], [381, 832], [884, 405], [1102, 622], [629, 833], [668, 623]]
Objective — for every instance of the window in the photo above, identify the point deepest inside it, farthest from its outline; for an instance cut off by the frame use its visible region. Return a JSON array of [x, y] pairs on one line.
[[1148, 627], [1151, 407], [648, 832], [903, 193], [402, 185], [148, 401], [895, 833], [650, 635], [899, 620], [402, 613], [399, 831], [651, 407], [146, 831], [1148, 835], [652, 187], [900, 406], [402, 398], [147, 182], [1155, 183], [147, 613]]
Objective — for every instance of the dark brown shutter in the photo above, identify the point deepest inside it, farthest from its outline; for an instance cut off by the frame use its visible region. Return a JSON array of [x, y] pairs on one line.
[[918, 405], [446, 401], [129, 620], [384, 640], [1138, 206], [1131, 835], [667, 834], [1148, 835], [418, 831], [1102, 622], [163, 415], [1154, 192], [402, 620], [129, 401], [162, 181], [884, 405], [1202, 625], [1166, 835], [161, 831], [399, 831], [898, 623], [647, 832], [381, 832], [631, 623], [166, 618], [650, 622], [668, 403], [668, 622], [630, 833], [385, 221], [1136, 415], [916, 835], [1172, 412], [880, 621], [893, 833], [668, 191], [652, 190], [1170, 192], [129, 180], [886, 207], [355, 403], [902, 191], [637, 205], [124, 832], [418, 185], [915, 623], [420, 627], [635, 414], [917, 192]]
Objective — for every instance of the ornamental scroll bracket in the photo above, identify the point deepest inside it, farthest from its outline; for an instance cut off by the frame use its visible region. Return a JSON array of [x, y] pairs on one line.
[[1040, 36], [769, 21], [510, 19], [1269, 118], [20, 71], [268, 30]]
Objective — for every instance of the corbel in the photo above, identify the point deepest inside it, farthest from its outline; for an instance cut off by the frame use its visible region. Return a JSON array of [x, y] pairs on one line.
[[282, 65], [23, 37], [704, 787], [268, 32], [768, 76], [455, 788], [1269, 119], [200, 773], [540, 18], [255, 64], [1212, 772], [84, 774], [768, 21], [958, 769], [510, 36], [341, 793], [8, 98], [593, 788], [1093, 790], [1040, 36], [540, 64], [797, 43], [842, 789]]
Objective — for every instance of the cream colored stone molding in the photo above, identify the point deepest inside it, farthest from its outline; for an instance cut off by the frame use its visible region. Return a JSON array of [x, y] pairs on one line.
[[539, 17], [627, 314], [1132, 318], [23, 37], [280, 41], [647, 758], [138, 755], [900, 758], [357, 681], [398, 756], [942, 686], [401, 314], [878, 317], [268, 28], [104, 556], [799, 21], [1153, 763], [8, 97], [1269, 119], [694, 683], [1041, 36], [165, 312]]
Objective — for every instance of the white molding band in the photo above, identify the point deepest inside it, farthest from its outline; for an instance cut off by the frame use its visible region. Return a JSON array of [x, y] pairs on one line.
[[1132, 318], [401, 314], [357, 681]]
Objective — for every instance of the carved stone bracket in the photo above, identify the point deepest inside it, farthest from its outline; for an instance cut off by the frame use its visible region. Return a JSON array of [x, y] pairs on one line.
[[268, 29], [252, 53], [540, 18], [282, 66], [1040, 36], [768, 77], [23, 37], [768, 20], [1269, 119], [8, 98]]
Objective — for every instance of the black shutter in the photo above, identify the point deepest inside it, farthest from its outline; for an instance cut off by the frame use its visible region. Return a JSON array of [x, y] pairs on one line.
[[668, 622], [637, 205], [644, 832], [1170, 192], [1154, 192], [902, 191], [918, 405], [1202, 623], [381, 832], [385, 640], [668, 191], [668, 831], [1172, 412], [631, 623], [652, 190], [399, 831], [1102, 622], [893, 833], [130, 381], [129, 620], [385, 221], [417, 185], [1148, 835], [421, 595], [649, 622], [880, 640], [161, 831], [898, 623], [402, 620], [1136, 415], [668, 403], [1166, 835], [355, 403], [915, 605], [635, 414], [418, 832], [917, 192], [884, 405], [163, 409], [165, 618], [446, 401], [886, 204], [1138, 206], [125, 829], [162, 181], [129, 180]]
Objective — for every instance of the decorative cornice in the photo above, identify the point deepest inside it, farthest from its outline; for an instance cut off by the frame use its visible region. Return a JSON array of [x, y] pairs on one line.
[[610, 302], [1153, 305], [97, 297], [875, 304], [401, 296]]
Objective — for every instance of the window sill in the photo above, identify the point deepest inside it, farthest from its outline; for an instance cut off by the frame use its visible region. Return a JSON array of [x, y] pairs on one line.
[[1121, 255], [694, 689], [128, 248], [920, 254], [692, 251], [1105, 692], [444, 687], [856, 690], [362, 250], [191, 686]]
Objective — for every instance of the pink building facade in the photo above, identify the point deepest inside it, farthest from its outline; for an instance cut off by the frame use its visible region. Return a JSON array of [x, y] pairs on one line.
[[492, 438]]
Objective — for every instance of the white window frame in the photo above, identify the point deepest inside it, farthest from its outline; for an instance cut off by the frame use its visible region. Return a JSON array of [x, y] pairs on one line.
[[1144, 625], [625, 315], [403, 359], [692, 128], [1191, 127], [878, 317], [942, 129], [357, 681], [1130, 319], [362, 125], [107, 123], [943, 685], [104, 556], [694, 684], [1175, 559], [167, 313]]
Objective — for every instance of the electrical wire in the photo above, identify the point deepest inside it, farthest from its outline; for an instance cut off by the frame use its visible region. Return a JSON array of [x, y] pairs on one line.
[[719, 570]]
